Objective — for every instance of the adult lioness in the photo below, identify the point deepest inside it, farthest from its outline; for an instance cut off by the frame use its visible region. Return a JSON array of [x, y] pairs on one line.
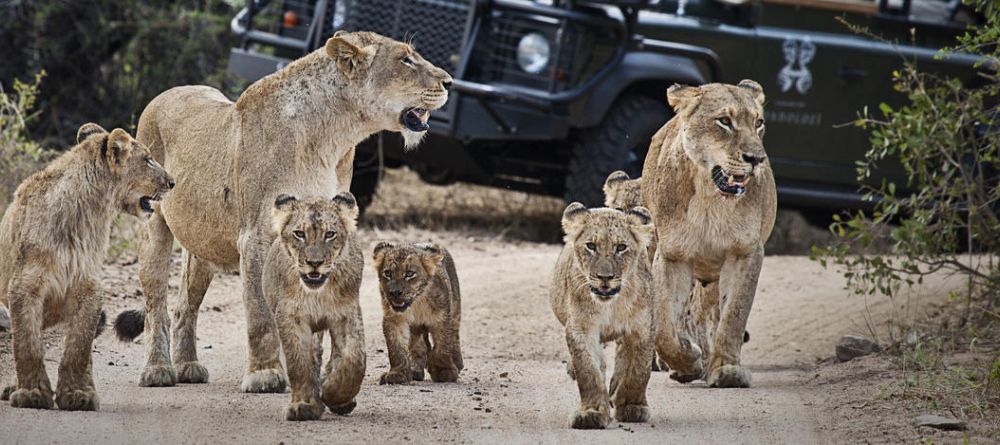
[[711, 193], [52, 240], [291, 132]]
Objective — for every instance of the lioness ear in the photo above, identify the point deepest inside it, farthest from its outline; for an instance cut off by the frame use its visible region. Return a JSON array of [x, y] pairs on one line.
[[431, 256], [280, 212], [348, 208], [88, 129], [117, 147], [378, 254], [350, 58], [755, 89], [682, 98], [573, 217], [642, 224]]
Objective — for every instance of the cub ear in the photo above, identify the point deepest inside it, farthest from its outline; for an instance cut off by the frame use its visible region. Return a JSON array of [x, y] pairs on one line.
[[682, 98], [281, 212], [615, 178], [348, 208], [431, 255], [118, 145], [573, 217], [755, 89], [641, 223], [378, 254], [351, 59], [88, 129]]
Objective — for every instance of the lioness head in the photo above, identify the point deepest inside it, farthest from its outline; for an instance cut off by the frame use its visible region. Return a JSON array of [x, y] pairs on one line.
[[142, 180], [722, 131], [314, 232], [408, 87], [622, 192], [405, 270], [607, 243]]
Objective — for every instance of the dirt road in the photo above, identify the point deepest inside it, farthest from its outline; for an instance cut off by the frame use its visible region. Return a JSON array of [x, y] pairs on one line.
[[514, 388]]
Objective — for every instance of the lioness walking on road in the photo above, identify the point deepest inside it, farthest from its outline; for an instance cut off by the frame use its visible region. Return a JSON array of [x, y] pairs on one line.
[[421, 302], [52, 240], [601, 291]]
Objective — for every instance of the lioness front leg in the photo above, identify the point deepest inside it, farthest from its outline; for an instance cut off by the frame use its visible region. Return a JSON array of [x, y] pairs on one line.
[[585, 350], [297, 343], [264, 371], [195, 279], [154, 268], [440, 364], [397, 338], [632, 370], [343, 382], [75, 389], [673, 287], [26, 306], [737, 286]]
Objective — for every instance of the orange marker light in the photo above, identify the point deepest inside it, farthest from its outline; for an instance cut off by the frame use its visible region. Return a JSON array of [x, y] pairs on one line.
[[291, 19]]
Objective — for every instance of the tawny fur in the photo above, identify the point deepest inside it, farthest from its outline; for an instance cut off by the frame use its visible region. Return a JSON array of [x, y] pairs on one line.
[[318, 236], [291, 132], [710, 246], [53, 238], [605, 249], [421, 312]]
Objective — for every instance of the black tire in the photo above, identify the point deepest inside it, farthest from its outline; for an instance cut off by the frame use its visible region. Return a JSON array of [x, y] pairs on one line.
[[620, 142]]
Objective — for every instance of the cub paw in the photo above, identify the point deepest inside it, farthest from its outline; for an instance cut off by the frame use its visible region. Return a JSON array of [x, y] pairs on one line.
[[589, 420], [77, 400], [191, 372], [444, 375], [730, 376], [344, 408], [684, 378], [299, 411], [158, 375], [394, 378], [632, 413], [264, 381], [31, 398], [417, 375], [7, 392]]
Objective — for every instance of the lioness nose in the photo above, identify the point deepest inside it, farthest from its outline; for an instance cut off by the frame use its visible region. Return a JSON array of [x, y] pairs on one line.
[[171, 183], [753, 160], [314, 263], [446, 84]]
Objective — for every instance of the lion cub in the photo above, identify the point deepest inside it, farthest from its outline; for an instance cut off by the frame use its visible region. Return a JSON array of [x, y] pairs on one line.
[[420, 301], [601, 291], [52, 240], [312, 277]]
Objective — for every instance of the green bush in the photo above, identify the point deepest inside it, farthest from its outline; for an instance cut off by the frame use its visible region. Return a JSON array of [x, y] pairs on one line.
[[19, 155]]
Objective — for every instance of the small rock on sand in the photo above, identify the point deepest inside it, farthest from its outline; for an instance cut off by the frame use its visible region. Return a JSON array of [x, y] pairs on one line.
[[853, 346], [940, 422]]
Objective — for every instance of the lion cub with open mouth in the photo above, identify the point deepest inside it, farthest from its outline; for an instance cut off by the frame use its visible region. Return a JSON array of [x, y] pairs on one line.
[[312, 278], [420, 301], [601, 291], [53, 238]]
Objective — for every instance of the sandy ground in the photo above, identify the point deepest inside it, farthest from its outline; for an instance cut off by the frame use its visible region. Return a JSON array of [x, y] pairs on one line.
[[514, 388]]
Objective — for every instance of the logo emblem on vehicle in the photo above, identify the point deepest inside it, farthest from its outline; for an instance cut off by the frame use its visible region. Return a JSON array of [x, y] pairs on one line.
[[795, 73]]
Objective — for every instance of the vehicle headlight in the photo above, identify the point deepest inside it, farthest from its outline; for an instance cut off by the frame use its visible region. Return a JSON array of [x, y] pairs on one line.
[[339, 13], [533, 53]]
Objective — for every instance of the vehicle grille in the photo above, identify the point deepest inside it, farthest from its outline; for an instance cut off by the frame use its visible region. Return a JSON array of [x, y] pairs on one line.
[[435, 27]]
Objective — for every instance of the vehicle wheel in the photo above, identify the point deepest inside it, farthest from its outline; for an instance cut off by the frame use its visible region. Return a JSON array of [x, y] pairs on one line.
[[620, 142]]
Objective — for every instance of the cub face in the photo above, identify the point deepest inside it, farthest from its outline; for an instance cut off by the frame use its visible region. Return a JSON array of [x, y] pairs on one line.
[[143, 180], [405, 270], [622, 192], [607, 244], [723, 132], [314, 232]]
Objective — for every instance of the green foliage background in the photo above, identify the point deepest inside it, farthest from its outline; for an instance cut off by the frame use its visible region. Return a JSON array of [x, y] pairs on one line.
[[106, 59]]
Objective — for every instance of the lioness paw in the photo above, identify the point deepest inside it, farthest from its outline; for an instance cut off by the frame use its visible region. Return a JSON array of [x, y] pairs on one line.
[[590, 420], [7, 392], [443, 375], [684, 378], [191, 372], [31, 398], [299, 411], [77, 400], [417, 375], [632, 413], [271, 380], [344, 408], [730, 376], [158, 375], [394, 378]]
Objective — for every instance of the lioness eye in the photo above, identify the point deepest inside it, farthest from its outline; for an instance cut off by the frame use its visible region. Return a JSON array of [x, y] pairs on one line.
[[409, 274], [760, 123], [621, 248], [591, 247], [149, 162], [408, 61], [726, 122], [299, 234], [329, 235], [385, 273]]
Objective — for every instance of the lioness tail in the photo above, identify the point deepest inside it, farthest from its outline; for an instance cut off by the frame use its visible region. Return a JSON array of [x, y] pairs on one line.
[[129, 324]]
